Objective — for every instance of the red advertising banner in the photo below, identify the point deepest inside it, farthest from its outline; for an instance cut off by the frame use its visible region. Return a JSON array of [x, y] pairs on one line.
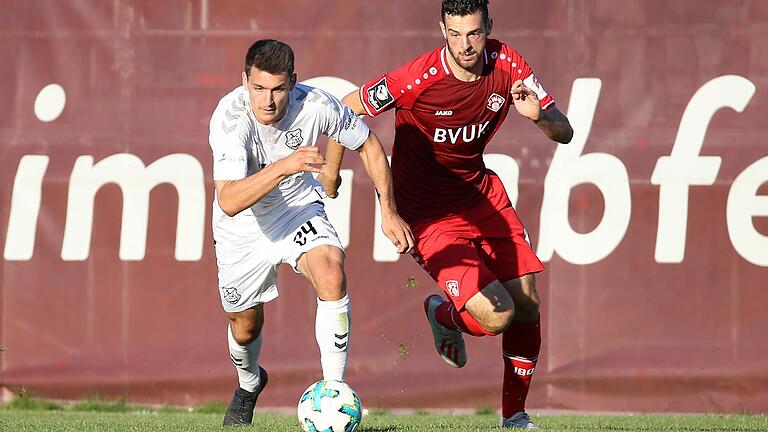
[[652, 223]]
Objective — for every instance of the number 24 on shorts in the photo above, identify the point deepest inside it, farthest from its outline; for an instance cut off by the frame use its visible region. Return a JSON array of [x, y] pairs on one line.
[[300, 237]]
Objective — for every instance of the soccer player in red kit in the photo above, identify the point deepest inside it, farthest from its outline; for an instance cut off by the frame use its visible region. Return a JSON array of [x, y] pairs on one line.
[[448, 104]]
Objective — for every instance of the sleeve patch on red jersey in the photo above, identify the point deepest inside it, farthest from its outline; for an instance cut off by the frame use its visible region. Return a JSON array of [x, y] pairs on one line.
[[379, 95]]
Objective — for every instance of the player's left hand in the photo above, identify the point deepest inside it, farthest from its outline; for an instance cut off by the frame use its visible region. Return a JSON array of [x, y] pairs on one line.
[[526, 101], [398, 232]]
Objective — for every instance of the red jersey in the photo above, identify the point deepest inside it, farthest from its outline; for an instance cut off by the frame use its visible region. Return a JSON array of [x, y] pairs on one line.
[[442, 125]]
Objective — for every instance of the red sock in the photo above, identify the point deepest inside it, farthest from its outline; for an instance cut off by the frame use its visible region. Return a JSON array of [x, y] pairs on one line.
[[520, 343], [448, 317]]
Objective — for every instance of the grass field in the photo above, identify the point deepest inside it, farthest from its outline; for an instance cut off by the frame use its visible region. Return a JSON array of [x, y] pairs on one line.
[[100, 417]]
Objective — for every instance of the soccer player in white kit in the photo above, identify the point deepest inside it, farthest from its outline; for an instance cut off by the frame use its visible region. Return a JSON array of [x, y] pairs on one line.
[[268, 210]]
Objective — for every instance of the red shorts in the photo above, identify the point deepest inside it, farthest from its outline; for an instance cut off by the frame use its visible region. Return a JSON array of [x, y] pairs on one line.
[[465, 252]]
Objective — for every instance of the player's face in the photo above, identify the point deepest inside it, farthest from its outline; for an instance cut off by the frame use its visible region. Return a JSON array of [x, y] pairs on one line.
[[269, 94], [466, 37]]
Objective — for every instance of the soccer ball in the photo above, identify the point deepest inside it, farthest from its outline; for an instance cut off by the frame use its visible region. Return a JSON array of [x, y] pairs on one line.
[[329, 406]]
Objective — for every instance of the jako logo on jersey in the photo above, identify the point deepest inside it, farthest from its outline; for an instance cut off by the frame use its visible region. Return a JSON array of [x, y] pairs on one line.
[[467, 133], [379, 95], [495, 102], [443, 113], [453, 287], [293, 139]]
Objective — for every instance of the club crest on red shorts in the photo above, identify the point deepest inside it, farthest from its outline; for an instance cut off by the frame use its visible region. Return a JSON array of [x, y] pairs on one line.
[[453, 287]]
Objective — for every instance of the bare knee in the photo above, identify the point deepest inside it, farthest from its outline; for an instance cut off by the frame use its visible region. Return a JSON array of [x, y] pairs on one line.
[[493, 308], [245, 334], [246, 326], [323, 266], [331, 284]]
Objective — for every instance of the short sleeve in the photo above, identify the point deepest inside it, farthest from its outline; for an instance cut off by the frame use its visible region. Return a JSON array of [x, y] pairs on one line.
[[520, 69], [380, 94], [533, 83], [342, 124], [401, 87], [227, 140]]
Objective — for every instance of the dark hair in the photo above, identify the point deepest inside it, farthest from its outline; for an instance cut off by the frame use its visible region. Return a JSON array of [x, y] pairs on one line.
[[464, 8], [270, 56]]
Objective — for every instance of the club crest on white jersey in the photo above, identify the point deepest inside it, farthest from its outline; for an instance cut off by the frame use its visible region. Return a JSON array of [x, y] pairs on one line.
[[293, 139]]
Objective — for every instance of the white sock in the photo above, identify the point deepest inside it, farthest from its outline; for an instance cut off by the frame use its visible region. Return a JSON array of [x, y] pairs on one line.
[[332, 325], [246, 361]]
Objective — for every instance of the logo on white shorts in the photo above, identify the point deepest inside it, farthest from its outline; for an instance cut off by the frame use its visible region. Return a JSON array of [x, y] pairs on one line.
[[453, 287], [495, 102], [231, 295]]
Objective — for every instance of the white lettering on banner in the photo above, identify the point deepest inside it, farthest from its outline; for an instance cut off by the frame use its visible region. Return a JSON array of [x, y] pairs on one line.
[[183, 171], [508, 171], [338, 87], [339, 209], [570, 168], [383, 249], [744, 204], [25, 205], [684, 167]]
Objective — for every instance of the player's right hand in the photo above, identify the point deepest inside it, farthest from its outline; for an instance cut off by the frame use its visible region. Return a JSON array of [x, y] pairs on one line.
[[303, 159], [398, 231], [526, 101], [330, 185]]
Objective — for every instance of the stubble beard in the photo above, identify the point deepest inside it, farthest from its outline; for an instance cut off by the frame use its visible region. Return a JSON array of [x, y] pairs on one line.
[[467, 66]]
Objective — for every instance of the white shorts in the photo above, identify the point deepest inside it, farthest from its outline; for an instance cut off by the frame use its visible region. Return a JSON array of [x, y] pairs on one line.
[[252, 278]]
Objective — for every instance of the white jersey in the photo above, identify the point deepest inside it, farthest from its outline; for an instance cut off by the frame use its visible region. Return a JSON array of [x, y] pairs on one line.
[[242, 146]]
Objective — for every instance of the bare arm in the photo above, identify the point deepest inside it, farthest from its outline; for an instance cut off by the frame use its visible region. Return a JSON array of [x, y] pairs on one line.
[[555, 125], [329, 177], [352, 100], [551, 121], [237, 195], [377, 167]]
